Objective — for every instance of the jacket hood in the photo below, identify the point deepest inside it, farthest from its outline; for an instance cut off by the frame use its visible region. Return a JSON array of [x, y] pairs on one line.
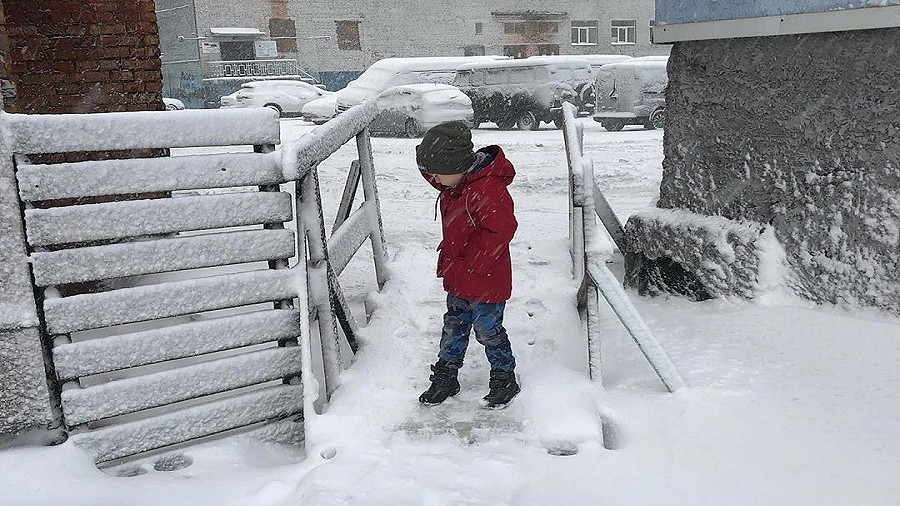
[[491, 162]]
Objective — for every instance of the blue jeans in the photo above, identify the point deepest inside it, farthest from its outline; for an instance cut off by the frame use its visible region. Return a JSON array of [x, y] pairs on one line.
[[487, 318]]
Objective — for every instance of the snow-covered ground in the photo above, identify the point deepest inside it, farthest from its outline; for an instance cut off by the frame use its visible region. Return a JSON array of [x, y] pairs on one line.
[[787, 404]]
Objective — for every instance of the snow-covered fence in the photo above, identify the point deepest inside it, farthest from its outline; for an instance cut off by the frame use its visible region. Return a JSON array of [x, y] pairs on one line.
[[167, 319], [327, 257], [590, 246]]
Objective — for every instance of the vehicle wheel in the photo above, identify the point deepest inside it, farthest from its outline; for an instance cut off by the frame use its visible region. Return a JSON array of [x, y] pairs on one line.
[[411, 128], [613, 125], [658, 118], [506, 123], [528, 121], [171, 107], [277, 109]]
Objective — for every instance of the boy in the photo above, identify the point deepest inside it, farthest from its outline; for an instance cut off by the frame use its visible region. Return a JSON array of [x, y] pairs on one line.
[[477, 223]]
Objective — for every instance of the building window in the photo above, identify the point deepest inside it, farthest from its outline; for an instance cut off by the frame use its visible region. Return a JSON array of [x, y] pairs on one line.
[[623, 31], [479, 28], [515, 51], [348, 35], [284, 31], [548, 27], [585, 32], [532, 28]]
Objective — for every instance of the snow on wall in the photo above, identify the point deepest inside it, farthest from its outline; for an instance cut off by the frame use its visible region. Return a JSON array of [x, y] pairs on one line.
[[799, 132], [723, 254]]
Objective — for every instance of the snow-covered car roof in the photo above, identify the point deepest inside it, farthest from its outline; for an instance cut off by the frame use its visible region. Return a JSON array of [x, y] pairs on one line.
[[604, 59], [426, 63], [420, 88], [649, 63], [533, 61]]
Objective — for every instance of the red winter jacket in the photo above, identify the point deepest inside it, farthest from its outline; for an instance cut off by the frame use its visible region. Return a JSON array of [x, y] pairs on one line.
[[478, 224]]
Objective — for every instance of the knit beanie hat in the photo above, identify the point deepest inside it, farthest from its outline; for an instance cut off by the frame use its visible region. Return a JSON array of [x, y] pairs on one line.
[[446, 149]]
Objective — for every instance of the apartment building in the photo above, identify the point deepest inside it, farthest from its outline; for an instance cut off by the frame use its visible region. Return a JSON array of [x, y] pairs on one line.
[[335, 40]]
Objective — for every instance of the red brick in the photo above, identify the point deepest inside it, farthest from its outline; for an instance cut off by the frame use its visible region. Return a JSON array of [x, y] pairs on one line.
[[87, 65], [95, 77]]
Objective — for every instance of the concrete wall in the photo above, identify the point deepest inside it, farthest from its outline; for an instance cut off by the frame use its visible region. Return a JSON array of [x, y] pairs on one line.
[[800, 132], [179, 52], [690, 11]]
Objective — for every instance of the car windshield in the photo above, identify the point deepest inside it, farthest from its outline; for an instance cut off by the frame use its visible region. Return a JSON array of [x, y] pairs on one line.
[[375, 78]]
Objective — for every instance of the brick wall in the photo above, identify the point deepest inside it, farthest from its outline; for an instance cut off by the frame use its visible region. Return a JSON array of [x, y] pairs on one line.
[[82, 56]]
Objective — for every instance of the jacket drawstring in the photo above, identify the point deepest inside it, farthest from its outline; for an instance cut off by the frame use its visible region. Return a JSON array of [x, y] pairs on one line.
[[470, 214], [436, 202]]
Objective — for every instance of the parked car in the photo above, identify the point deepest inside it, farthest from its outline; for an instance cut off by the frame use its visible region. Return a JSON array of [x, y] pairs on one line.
[[390, 72], [412, 109], [322, 109], [173, 104], [214, 88], [286, 97], [631, 93], [522, 92]]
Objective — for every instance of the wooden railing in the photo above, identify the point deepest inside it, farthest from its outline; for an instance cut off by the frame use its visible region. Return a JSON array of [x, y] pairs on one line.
[[588, 243], [192, 315]]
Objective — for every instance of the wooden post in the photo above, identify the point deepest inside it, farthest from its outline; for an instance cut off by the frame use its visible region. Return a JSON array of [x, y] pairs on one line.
[[29, 394], [370, 190]]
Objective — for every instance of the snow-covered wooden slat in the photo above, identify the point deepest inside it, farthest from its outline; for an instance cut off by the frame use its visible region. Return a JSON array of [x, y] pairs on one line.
[[608, 218], [113, 353], [128, 305], [612, 291], [269, 404], [142, 175], [113, 220], [54, 133], [307, 152], [163, 255], [190, 382], [348, 238]]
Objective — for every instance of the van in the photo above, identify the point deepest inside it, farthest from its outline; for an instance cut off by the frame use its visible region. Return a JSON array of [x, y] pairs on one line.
[[523, 92], [390, 72], [631, 93], [586, 99]]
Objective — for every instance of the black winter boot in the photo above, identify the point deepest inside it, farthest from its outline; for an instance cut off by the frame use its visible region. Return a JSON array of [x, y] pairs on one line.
[[503, 388], [443, 384]]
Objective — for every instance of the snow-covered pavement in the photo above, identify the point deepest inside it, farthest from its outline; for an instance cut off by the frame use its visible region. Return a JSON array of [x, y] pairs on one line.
[[787, 404]]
